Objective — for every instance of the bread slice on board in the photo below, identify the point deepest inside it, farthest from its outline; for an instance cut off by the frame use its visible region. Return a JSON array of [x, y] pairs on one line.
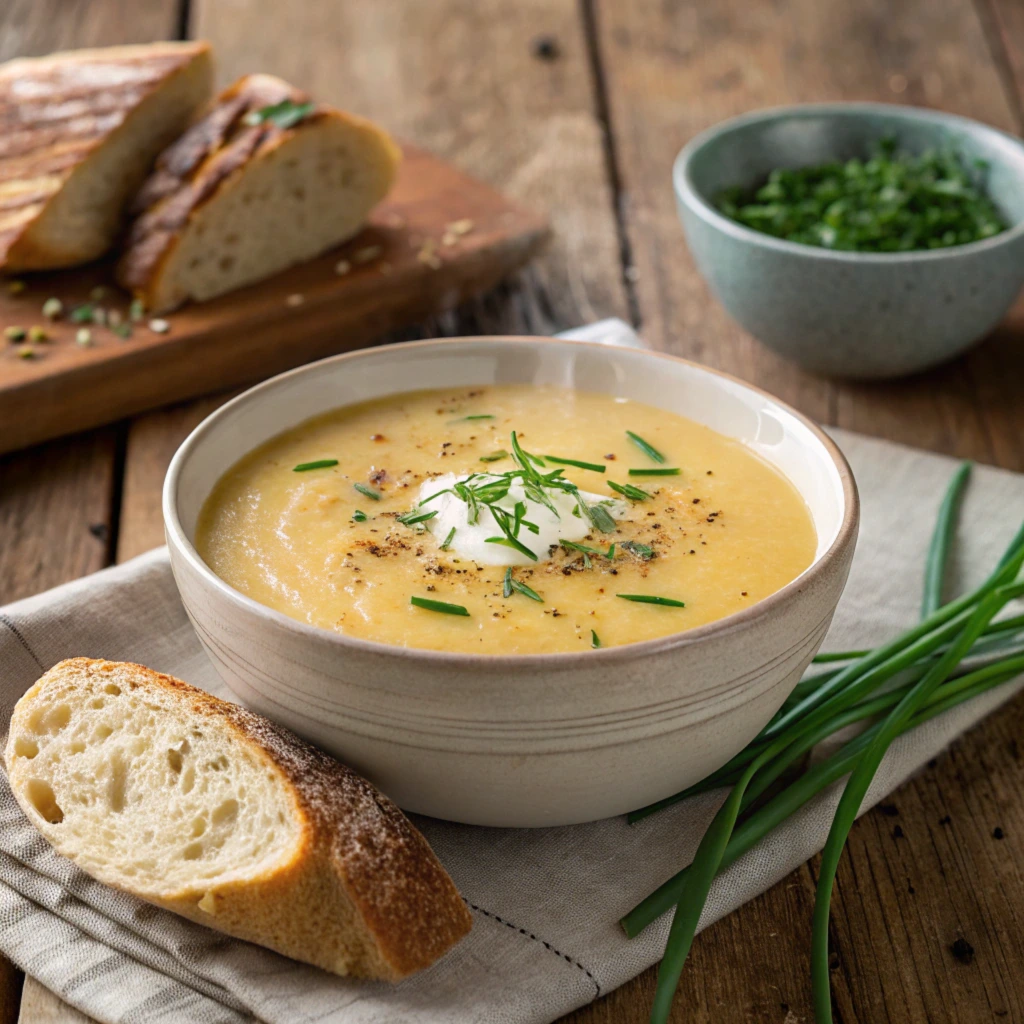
[[264, 181], [206, 809], [79, 132]]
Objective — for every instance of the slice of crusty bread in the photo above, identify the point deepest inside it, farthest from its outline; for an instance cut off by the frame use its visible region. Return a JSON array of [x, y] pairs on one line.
[[78, 133], [209, 810], [232, 202]]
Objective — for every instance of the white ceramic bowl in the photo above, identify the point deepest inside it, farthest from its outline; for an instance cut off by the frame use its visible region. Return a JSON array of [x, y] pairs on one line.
[[524, 740]]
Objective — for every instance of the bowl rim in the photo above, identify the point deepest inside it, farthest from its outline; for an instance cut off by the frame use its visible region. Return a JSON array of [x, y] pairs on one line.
[[691, 196], [758, 611]]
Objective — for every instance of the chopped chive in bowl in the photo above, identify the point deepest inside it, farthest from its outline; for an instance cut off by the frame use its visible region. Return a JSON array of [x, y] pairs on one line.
[[648, 449], [889, 200], [439, 606]]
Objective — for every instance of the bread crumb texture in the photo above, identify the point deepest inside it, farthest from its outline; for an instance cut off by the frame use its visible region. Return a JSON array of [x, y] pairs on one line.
[[199, 806]]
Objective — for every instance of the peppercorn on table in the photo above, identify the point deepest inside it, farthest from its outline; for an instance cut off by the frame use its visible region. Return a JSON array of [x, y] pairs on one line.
[[578, 107]]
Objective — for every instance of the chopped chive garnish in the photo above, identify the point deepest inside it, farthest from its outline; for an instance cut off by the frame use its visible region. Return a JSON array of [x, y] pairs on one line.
[[579, 547], [629, 491], [363, 489], [285, 114], [360, 517], [601, 518], [469, 419], [649, 450], [640, 550], [655, 472], [412, 518], [302, 467], [495, 456], [611, 551], [511, 584], [511, 542], [448, 540], [668, 602], [595, 467], [438, 606], [595, 640]]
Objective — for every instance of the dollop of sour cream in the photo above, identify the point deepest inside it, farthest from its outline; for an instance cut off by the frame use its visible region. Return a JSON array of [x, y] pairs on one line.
[[470, 539]]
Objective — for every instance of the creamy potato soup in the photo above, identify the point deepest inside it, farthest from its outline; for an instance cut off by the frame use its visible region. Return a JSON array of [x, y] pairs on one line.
[[505, 520]]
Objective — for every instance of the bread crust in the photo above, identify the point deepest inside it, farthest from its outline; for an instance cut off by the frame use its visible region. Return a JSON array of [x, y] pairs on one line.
[[209, 158], [355, 848], [56, 113]]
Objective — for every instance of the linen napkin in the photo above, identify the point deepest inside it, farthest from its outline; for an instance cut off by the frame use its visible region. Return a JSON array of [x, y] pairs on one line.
[[545, 902]]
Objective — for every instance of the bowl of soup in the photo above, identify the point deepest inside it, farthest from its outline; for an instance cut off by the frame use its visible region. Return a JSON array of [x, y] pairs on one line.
[[512, 581]]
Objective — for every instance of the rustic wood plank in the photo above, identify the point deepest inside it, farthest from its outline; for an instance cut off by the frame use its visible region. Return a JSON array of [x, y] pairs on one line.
[[11, 981], [152, 442], [40, 1006], [671, 70]]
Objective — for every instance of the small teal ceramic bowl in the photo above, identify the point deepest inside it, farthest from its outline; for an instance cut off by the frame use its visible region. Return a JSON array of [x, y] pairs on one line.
[[854, 315]]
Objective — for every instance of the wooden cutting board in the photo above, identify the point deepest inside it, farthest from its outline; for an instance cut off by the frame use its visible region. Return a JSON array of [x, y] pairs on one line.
[[440, 238]]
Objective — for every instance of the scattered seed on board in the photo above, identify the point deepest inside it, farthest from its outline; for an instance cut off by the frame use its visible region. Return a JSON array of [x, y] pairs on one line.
[[159, 326], [52, 308], [15, 333], [342, 267], [295, 299], [26, 352], [367, 253], [36, 333], [83, 337], [16, 287]]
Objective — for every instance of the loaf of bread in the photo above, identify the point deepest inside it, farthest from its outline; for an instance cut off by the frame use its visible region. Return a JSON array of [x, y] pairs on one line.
[[206, 809], [265, 180], [79, 133]]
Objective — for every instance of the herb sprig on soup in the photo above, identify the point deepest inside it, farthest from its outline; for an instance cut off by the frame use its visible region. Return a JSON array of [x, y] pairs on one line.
[[505, 520]]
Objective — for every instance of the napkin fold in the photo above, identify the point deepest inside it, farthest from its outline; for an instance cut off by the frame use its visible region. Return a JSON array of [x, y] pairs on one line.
[[545, 902]]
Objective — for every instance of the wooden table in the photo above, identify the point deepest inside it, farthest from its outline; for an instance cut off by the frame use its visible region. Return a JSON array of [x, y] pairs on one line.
[[579, 106]]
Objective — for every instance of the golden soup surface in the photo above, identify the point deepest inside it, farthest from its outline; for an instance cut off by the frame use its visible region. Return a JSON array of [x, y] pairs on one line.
[[726, 532]]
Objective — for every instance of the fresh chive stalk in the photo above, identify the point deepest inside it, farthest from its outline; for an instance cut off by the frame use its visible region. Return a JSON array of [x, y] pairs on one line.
[[369, 492], [648, 449], [655, 472], [510, 584], [413, 518], [305, 467], [754, 828], [629, 491], [359, 516], [595, 640], [668, 602], [439, 606], [495, 456], [942, 539], [595, 467], [931, 651], [448, 540], [470, 419]]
